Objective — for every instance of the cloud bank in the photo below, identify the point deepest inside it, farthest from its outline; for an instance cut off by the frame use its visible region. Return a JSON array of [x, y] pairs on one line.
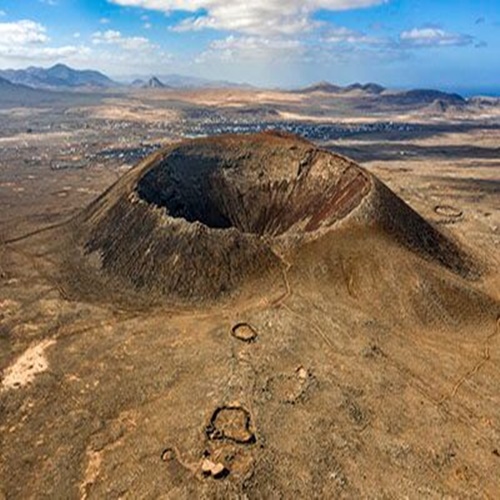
[[434, 37], [27, 42], [251, 17]]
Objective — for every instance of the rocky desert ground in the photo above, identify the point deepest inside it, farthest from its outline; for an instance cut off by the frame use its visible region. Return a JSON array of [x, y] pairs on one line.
[[264, 340]]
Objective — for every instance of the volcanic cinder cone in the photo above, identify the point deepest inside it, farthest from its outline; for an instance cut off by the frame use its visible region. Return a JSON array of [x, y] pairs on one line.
[[203, 218]]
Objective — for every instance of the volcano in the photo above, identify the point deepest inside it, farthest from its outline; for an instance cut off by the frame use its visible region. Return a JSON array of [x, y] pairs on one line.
[[199, 219], [249, 316]]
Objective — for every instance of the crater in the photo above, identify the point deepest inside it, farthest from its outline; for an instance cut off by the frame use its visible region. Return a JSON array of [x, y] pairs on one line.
[[254, 188]]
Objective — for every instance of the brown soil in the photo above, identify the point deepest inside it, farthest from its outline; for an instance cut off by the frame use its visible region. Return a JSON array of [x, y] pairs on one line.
[[374, 371]]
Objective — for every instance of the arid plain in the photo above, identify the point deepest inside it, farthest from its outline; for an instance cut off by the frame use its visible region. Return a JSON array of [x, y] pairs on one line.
[[353, 366]]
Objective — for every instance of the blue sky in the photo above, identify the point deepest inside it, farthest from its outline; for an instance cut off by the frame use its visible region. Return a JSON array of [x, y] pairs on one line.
[[401, 43]]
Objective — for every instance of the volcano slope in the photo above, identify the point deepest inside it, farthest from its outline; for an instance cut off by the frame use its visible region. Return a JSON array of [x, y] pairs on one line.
[[248, 316]]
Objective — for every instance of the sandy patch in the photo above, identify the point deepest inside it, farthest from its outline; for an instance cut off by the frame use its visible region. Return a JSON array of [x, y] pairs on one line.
[[133, 112], [29, 139], [288, 115], [8, 308], [91, 473], [25, 368], [22, 112]]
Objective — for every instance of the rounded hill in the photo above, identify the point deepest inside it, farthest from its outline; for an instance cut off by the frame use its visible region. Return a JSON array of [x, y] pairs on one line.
[[203, 218]]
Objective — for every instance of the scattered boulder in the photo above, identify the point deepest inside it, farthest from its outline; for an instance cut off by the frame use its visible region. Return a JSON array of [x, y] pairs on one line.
[[216, 470]]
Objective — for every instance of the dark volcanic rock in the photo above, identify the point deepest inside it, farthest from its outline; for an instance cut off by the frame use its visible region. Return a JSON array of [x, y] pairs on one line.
[[422, 97], [369, 88]]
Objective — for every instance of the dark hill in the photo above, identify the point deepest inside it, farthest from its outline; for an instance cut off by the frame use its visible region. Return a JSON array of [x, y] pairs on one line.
[[154, 83], [138, 83], [369, 88], [422, 97], [326, 87], [203, 218], [12, 94], [330, 88]]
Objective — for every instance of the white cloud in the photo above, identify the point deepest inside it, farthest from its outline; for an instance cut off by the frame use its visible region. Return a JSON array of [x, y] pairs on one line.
[[104, 20], [22, 32], [250, 47], [115, 52], [252, 17], [20, 54], [340, 34], [2, 13], [254, 23], [433, 37], [255, 43], [26, 41], [113, 37]]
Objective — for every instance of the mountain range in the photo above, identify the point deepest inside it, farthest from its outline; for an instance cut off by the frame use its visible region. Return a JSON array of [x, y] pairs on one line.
[[152, 83], [13, 92], [175, 80], [61, 77], [330, 88], [385, 96], [58, 76]]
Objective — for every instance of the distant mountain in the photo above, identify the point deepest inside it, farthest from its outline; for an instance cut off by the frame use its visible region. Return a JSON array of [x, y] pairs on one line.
[[14, 94], [177, 81], [7, 88], [56, 77], [330, 88], [369, 88], [183, 81], [138, 83], [5, 84], [325, 87], [423, 96], [154, 83], [416, 97], [439, 106], [484, 101]]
